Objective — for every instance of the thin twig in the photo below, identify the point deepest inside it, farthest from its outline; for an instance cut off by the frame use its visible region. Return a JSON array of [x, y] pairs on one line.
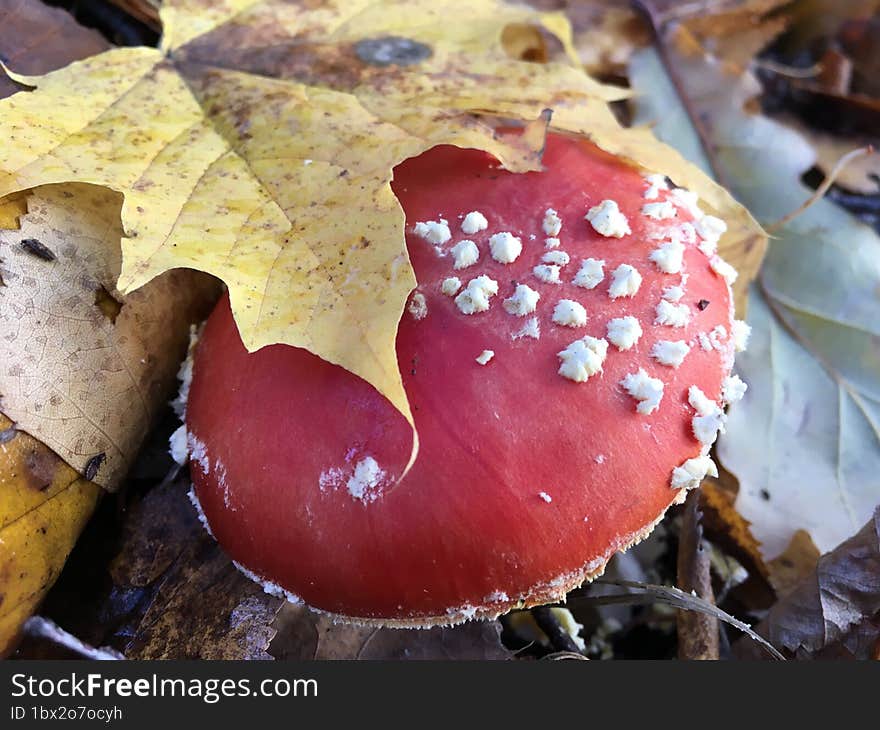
[[656, 21], [790, 71], [670, 596], [549, 624], [823, 188]]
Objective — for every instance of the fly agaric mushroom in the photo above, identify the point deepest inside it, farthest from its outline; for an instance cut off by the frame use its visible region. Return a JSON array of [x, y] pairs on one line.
[[593, 414]]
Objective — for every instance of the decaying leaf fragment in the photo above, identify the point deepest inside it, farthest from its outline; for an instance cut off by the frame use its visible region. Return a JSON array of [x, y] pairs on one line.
[[835, 611], [44, 506], [258, 145]]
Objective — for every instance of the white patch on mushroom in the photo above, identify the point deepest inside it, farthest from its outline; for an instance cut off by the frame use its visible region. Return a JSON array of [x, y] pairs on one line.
[[551, 243], [548, 273], [364, 484], [474, 222], [687, 200], [646, 390], [709, 419], [706, 428], [741, 332], [672, 315], [607, 219], [435, 232], [624, 332], [692, 472], [523, 301], [198, 452], [673, 293], [496, 597], [531, 329], [686, 233], [560, 258], [733, 389], [484, 357], [465, 253], [583, 358], [185, 373], [716, 336], [418, 306], [590, 275], [705, 342], [331, 478], [546, 497], [476, 295], [659, 211], [505, 247], [656, 183], [723, 269], [668, 257], [450, 286], [177, 445], [194, 500], [273, 589], [552, 223], [670, 353], [625, 281], [599, 458], [569, 313], [711, 229]]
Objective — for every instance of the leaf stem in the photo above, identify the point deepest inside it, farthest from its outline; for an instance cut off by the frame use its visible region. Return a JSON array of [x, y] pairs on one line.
[[824, 187]]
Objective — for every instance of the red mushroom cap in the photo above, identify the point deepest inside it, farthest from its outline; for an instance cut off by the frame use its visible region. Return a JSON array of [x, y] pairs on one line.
[[526, 481]]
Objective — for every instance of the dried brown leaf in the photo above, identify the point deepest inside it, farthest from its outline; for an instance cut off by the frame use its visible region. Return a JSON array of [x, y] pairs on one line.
[[835, 611]]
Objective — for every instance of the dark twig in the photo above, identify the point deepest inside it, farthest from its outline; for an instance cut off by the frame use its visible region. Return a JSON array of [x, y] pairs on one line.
[[670, 596], [658, 23], [697, 632], [548, 623]]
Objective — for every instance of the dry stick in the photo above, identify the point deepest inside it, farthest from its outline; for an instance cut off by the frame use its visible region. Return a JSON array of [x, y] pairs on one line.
[[823, 188], [697, 632], [656, 21], [791, 72], [671, 596], [548, 623], [43, 628]]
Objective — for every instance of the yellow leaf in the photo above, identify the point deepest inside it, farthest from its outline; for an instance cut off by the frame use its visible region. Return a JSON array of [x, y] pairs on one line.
[[258, 145], [44, 508]]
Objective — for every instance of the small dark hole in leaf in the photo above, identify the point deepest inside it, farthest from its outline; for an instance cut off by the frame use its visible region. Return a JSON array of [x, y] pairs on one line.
[[765, 495], [392, 50], [108, 305]]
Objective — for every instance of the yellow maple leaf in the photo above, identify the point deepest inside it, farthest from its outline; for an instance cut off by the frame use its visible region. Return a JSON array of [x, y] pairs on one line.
[[258, 144]]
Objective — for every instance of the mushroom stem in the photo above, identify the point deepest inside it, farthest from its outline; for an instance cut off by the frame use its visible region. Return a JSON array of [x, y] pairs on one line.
[[697, 632]]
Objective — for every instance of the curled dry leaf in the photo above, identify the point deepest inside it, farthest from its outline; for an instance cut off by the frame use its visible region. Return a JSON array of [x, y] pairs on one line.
[[258, 145], [803, 442], [834, 611]]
